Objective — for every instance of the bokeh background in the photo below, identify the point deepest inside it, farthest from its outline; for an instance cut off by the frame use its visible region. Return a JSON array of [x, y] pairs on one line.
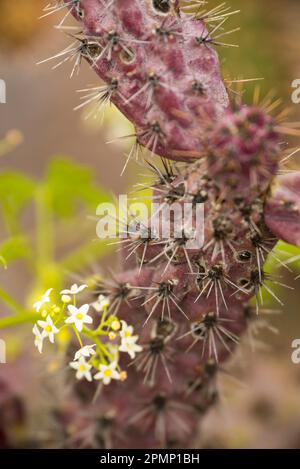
[[56, 167]]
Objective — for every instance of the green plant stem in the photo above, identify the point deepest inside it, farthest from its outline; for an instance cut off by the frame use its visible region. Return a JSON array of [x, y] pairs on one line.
[[93, 336], [14, 306], [18, 319], [78, 336], [44, 227]]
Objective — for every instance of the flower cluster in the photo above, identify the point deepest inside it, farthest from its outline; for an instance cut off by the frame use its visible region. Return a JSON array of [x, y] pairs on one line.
[[99, 359]]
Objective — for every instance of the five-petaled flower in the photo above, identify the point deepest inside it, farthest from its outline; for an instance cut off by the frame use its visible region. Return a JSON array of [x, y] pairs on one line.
[[130, 346], [74, 290], [85, 352], [48, 328], [45, 299], [126, 331], [128, 341], [107, 372], [79, 316], [38, 340], [83, 369], [101, 304]]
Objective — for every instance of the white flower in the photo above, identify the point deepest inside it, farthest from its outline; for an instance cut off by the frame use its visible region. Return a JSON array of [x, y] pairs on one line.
[[83, 369], [126, 331], [79, 316], [129, 346], [45, 299], [49, 330], [108, 372], [128, 341], [74, 290], [38, 341], [86, 351], [101, 304]]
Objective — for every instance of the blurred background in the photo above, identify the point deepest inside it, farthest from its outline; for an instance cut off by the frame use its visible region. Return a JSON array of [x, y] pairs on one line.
[[56, 167]]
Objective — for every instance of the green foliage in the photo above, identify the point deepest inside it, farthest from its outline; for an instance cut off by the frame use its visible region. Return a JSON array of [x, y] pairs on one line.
[[68, 185], [286, 253], [14, 248], [57, 241], [15, 191]]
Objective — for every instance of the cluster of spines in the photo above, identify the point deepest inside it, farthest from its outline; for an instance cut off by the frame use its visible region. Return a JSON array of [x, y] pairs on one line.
[[159, 68]]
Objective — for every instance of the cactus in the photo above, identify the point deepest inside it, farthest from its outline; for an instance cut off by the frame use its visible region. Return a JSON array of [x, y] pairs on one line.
[[189, 306]]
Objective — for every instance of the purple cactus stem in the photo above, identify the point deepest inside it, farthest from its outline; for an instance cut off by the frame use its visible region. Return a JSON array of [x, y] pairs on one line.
[[282, 210], [165, 79], [189, 306]]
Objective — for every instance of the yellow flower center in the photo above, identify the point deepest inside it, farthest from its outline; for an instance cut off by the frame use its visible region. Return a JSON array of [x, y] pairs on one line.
[[127, 334], [79, 316], [82, 368], [48, 328], [107, 373]]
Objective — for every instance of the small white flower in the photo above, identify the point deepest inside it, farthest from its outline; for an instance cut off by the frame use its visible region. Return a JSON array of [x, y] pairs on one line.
[[74, 290], [45, 299], [128, 340], [108, 372], [49, 330], [38, 340], [126, 331], [83, 369], [79, 316], [130, 346], [86, 351], [101, 304]]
